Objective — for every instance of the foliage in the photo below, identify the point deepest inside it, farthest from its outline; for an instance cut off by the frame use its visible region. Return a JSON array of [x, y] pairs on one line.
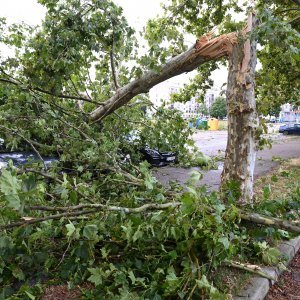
[[160, 253], [203, 109], [166, 123], [278, 78], [118, 253], [83, 52], [98, 245], [218, 108], [197, 85], [279, 195]]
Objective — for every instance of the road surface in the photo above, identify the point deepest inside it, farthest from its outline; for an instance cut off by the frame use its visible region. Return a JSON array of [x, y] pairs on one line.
[[214, 144]]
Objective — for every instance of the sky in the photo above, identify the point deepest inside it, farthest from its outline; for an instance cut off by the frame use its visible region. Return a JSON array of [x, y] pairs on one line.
[[136, 11], [28, 11]]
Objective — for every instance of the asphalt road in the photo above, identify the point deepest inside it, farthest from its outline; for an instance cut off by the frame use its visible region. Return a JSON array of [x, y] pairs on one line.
[[214, 144]]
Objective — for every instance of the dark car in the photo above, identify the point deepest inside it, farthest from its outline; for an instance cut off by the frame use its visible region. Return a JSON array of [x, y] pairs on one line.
[[153, 156], [157, 158], [290, 129]]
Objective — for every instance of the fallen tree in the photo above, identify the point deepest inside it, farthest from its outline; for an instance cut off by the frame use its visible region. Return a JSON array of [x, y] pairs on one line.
[[206, 48], [92, 220], [88, 209]]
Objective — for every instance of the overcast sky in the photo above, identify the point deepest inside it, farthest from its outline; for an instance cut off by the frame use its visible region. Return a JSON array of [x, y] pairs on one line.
[[31, 12], [136, 11]]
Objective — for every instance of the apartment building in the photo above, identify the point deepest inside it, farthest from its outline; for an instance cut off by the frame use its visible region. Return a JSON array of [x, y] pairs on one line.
[[162, 93]]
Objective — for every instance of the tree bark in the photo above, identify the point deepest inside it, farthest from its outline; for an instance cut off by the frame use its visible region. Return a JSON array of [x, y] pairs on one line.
[[237, 175], [205, 49], [85, 209]]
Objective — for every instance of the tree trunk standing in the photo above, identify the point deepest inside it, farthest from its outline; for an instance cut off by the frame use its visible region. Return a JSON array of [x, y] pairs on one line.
[[240, 156]]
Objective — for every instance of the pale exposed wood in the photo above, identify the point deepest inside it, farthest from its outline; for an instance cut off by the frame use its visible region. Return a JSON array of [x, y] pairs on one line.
[[242, 119], [249, 268]]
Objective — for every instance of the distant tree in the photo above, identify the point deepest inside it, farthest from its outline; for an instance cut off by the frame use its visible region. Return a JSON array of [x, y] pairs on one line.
[[274, 111], [219, 109], [203, 109]]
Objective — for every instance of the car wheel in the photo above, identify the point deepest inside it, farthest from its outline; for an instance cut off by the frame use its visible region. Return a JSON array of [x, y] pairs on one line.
[[285, 132]]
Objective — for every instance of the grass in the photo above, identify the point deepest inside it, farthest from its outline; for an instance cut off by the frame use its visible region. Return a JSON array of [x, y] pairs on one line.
[[230, 280], [277, 186], [280, 183]]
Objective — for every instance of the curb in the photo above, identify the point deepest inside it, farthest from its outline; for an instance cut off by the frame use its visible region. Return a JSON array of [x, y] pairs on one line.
[[258, 287]]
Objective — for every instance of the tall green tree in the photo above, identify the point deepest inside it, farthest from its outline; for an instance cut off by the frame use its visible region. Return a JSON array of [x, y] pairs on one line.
[[219, 108]]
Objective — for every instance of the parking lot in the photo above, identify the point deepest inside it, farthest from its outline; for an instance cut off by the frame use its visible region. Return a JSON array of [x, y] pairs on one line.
[[213, 143]]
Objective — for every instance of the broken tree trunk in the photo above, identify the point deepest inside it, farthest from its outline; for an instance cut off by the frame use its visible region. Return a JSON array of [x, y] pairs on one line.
[[269, 221], [242, 119], [88, 209], [205, 49]]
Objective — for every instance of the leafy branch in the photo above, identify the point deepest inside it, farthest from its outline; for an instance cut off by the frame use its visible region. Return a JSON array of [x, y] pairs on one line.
[[96, 208], [253, 217], [23, 86]]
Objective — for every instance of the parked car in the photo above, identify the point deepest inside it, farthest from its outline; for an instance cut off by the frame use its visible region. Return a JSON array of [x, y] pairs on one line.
[[290, 129], [153, 156], [21, 158], [156, 158]]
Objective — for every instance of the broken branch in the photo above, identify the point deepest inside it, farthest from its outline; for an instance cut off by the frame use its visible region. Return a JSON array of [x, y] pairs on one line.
[[249, 268], [205, 49]]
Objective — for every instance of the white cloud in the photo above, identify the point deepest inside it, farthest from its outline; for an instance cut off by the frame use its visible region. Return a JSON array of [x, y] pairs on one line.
[[139, 12], [28, 11]]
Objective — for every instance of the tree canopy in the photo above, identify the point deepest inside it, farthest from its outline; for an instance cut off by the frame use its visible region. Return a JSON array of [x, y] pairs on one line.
[[218, 108]]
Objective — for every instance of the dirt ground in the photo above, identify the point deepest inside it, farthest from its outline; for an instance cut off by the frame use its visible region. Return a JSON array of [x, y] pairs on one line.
[[61, 292], [288, 285]]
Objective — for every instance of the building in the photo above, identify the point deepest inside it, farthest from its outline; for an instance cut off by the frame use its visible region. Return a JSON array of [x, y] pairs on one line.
[[210, 96], [289, 113], [162, 93]]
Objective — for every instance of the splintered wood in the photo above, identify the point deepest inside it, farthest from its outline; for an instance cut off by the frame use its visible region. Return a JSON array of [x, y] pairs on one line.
[[217, 47]]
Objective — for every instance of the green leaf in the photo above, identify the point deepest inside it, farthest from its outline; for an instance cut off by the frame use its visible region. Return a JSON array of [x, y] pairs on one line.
[[224, 240], [194, 178], [18, 273], [267, 191], [10, 186], [138, 234], [90, 232], [271, 256], [156, 297], [96, 276], [203, 282], [187, 203], [132, 277], [70, 229], [80, 168], [29, 183], [73, 197], [30, 296], [274, 178], [6, 242], [104, 252]]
